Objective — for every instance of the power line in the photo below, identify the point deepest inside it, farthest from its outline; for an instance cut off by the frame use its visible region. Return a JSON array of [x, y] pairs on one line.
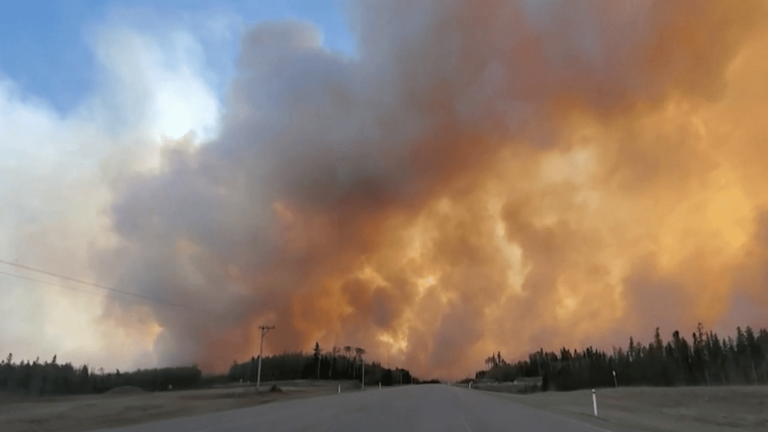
[[57, 275], [45, 283], [95, 285]]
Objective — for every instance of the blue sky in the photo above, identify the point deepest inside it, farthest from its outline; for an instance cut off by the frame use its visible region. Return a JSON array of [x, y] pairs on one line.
[[46, 46]]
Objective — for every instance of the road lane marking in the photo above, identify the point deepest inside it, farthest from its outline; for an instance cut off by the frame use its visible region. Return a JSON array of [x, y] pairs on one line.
[[251, 420], [337, 422], [466, 425], [577, 422]]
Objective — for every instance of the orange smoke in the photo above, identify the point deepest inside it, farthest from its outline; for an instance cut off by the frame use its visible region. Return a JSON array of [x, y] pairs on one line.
[[487, 176]]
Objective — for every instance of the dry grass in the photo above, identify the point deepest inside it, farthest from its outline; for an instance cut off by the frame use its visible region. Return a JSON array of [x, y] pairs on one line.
[[679, 409], [124, 407]]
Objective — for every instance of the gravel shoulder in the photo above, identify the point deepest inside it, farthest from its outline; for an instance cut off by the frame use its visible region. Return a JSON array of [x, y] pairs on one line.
[[679, 409]]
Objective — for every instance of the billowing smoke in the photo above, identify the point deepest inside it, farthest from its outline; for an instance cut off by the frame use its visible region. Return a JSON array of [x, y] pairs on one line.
[[481, 176]]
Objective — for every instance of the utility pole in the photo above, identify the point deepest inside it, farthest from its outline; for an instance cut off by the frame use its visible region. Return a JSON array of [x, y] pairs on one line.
[[264, 330]]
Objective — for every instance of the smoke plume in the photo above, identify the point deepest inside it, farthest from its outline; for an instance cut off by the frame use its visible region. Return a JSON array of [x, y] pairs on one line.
[[481, 176]]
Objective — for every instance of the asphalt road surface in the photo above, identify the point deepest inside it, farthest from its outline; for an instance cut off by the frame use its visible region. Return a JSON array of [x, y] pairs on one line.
[[410, 408]]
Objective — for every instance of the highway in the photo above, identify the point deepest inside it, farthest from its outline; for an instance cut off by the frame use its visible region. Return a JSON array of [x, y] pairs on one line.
[[411, 408]]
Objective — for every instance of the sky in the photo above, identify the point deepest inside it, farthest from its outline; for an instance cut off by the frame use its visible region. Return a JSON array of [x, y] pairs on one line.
[[64, 68], [48, 45], [431, 181]]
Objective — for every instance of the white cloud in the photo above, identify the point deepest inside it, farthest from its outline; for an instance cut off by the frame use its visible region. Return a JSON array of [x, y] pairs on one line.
[[56, 179], [155, 86]]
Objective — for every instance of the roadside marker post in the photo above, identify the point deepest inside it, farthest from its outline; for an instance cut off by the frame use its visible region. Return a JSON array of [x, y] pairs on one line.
[[379, 385], [594, 402], [339, 388], [470, 385], [615, 383]]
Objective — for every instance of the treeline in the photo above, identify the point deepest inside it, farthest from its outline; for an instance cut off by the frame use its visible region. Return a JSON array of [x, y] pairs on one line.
[[706, 360], [53, 378], [346, 363], [50, 378]]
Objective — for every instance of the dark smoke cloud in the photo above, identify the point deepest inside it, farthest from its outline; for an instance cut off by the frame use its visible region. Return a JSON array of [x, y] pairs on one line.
[[481, 176]]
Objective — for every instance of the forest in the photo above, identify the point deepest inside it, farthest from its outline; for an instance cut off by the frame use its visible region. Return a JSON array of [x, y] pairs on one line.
[[46, 378], [706, 360], [51, 377], [338, 363]]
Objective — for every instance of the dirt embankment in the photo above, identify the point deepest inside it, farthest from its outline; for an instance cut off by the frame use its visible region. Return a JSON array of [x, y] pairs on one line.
[[127, 406]]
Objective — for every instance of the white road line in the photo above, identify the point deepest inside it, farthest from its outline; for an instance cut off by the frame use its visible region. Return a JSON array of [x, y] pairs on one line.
[[577, 422], [466, 425], [339, 421], [226, 425]]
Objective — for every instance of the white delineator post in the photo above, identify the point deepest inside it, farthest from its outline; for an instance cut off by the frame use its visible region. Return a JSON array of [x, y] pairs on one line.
[[594, 402], [339, 388], [615, 383], [264, 330], [363, 361], [470, 384]]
